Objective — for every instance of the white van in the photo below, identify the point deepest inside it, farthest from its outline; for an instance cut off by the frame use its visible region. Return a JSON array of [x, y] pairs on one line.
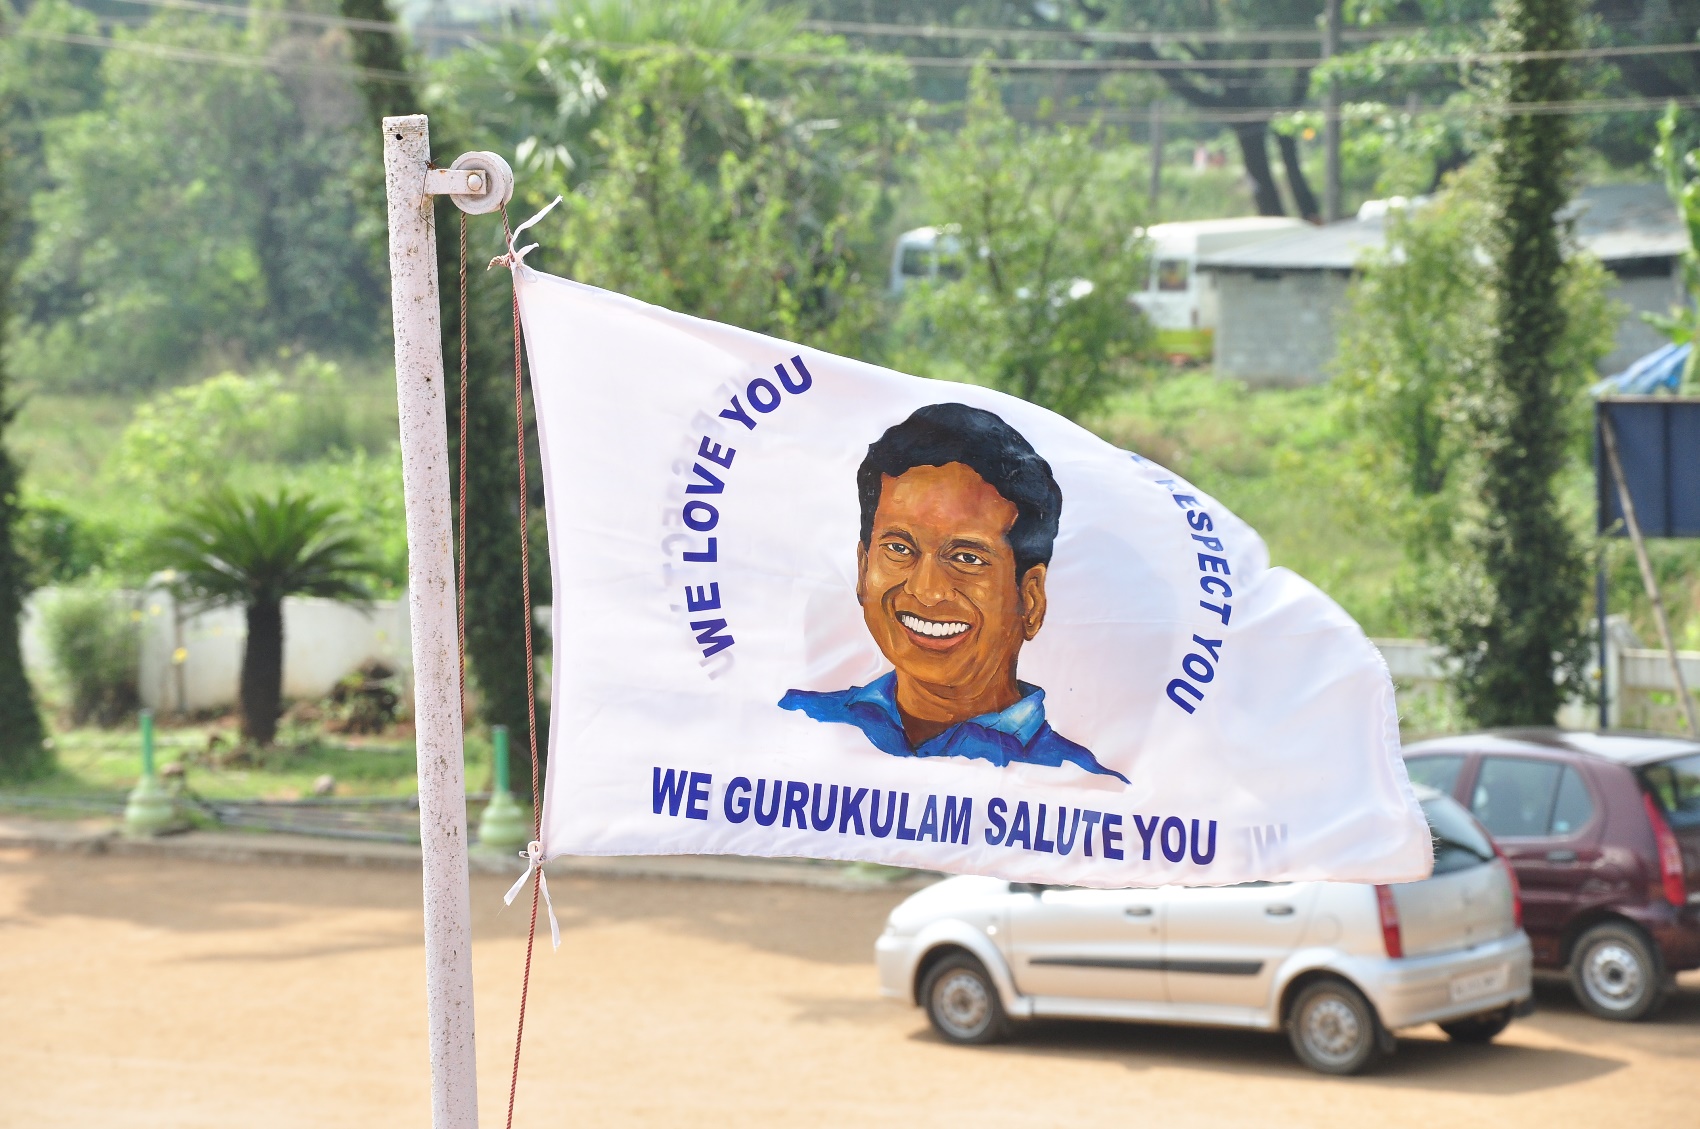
[[1180, 301], [926, 253]]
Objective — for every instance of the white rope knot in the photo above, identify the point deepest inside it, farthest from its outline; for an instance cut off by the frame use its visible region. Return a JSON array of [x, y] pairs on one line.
[[515, 257], [533, 856]]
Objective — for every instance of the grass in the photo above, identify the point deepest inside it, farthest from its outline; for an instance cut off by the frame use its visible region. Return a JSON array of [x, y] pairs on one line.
[[106, 763]]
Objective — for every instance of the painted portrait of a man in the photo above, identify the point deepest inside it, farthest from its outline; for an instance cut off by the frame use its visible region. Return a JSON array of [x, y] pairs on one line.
[[959, 515]]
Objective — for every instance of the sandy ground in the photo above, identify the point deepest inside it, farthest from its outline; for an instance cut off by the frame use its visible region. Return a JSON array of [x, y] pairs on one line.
[[138, 993]]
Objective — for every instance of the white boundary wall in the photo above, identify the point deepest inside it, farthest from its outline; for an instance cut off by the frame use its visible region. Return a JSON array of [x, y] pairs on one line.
[[323, 640]]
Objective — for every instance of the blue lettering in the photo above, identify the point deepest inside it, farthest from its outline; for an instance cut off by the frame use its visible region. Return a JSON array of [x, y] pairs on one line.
[[1178, 852], [1198, 519], [1197, 666], [1208, 563], [702, 599], [697, 806], [1065, 845], [1112, 836], [711, 451], [1223, 610], [1021, 827], [707, 517], [1208, 855], [1183, 684], [852, 810], [929, 828], [1214, 544], [956, 819], [802, 384], [766, 818], [1215, 585], [737, 802], [757, 401], [708, 634], [1211, 645], [1040, 843], [1146, 831], [737, 412], [881, 831], [668, 790], [995, 808], [707, 556], [712, 485], [831, 809], [1091, 818], [796, 803], [904, 831]]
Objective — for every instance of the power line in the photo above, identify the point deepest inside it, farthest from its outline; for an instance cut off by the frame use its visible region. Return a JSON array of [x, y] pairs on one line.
[[1464, 58], [1112, 115], [1293, 34]]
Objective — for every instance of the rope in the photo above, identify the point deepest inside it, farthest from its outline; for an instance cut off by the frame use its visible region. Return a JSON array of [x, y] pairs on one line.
[[530, 679], [460, 547]]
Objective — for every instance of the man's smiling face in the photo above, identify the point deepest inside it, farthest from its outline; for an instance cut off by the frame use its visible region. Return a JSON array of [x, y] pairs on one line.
[[940, 595]]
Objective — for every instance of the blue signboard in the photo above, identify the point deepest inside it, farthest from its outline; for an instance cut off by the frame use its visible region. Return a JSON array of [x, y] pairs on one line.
[[1658, 443]]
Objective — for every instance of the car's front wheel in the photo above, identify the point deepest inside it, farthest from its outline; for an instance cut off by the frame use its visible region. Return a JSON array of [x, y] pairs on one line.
[[1333, 1028], [1616, 974], [962, 1002], [1478, 1028]]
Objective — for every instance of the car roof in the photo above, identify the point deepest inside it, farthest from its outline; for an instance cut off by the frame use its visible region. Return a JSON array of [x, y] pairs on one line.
[[1618, 746]]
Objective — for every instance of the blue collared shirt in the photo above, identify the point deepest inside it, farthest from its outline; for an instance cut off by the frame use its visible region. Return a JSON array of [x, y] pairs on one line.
[[1017, 735]]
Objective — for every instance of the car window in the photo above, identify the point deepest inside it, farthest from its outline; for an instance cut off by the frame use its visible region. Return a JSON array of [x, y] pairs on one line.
[[1514, 797], [1676, 787], [1458, 843], [916, 262], [1573, 808], [1438, 772]]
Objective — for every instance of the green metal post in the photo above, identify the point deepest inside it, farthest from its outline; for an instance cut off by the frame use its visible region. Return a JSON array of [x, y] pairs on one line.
[[506, 826], [150, 809]]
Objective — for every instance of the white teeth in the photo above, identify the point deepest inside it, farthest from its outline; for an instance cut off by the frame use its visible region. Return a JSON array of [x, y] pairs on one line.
[[926, 627]]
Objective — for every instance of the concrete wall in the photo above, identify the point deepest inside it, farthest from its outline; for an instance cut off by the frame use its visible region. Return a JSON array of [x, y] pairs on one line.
[[323, 640], [1641, 293], [1277, 328]]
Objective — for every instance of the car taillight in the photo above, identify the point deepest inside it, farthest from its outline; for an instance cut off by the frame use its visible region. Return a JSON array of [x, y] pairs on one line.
[[1516, 888], [1389, 909], [1670, 855]]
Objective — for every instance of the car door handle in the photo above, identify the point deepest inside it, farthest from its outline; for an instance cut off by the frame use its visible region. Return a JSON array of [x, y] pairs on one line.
[[1278, 910], [1561, 856], [1138, 911]]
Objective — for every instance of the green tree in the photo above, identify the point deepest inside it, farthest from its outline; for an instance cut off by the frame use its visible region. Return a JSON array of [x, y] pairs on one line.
[[198, 211], [1681, 168], [1514, 621], [22, 751], [253, 550], [1049, 258]]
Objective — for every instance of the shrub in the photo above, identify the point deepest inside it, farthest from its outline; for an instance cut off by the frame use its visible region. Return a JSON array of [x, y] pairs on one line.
[[94, 644]]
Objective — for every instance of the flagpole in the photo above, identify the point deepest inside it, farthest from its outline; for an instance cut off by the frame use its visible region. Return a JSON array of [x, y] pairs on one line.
[[409, 184]]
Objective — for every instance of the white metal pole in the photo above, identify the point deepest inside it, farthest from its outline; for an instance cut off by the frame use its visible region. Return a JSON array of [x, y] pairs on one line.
[[431, 601]]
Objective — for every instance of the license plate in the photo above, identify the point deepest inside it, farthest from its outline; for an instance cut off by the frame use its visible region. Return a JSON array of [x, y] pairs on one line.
[[1483, 983]]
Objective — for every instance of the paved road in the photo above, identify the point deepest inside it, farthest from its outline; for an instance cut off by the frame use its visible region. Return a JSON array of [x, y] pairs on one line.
[[138, 992]]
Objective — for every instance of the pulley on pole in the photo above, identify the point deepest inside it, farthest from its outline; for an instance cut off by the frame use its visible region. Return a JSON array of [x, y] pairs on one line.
[[477, 183]]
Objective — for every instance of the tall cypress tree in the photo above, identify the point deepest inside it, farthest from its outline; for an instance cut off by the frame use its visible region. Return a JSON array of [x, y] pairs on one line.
[[23, 751], [1519, 632], [495, 611]]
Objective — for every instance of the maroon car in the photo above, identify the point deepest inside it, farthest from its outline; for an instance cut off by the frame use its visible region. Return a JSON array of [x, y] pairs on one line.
[[1603, 831]]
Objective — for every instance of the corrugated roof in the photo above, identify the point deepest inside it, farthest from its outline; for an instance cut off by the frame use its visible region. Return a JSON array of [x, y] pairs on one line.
[[1616, 222]]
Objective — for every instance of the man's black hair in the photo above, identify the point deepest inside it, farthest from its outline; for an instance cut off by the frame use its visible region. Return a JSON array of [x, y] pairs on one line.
[[939, 434]]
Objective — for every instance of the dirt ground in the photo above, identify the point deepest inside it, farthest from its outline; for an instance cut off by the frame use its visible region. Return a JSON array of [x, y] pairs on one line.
[[140, 993]]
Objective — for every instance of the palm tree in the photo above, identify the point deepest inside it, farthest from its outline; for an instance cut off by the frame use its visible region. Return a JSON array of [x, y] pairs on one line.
[[254, 550]]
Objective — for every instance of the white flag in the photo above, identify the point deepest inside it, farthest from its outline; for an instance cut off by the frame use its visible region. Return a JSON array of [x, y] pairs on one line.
[[805, 606]]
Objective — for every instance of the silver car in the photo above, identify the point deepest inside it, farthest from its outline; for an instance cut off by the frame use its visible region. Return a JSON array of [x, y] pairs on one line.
[[1339, 966]]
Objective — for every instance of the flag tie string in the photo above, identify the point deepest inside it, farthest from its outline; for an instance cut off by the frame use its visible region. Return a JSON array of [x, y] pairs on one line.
[[533, 854]]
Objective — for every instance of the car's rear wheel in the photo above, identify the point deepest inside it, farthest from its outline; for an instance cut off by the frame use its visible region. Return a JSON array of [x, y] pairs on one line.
[[1616, 974], [962, 1002], [1478, 1028], [1333, 1028]]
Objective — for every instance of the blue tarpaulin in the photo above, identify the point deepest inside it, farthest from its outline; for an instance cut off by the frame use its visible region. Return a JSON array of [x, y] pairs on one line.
[[1660, 370]]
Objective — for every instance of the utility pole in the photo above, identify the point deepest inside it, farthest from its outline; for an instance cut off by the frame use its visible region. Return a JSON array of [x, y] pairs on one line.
[[1331, 116], [478, 182]]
